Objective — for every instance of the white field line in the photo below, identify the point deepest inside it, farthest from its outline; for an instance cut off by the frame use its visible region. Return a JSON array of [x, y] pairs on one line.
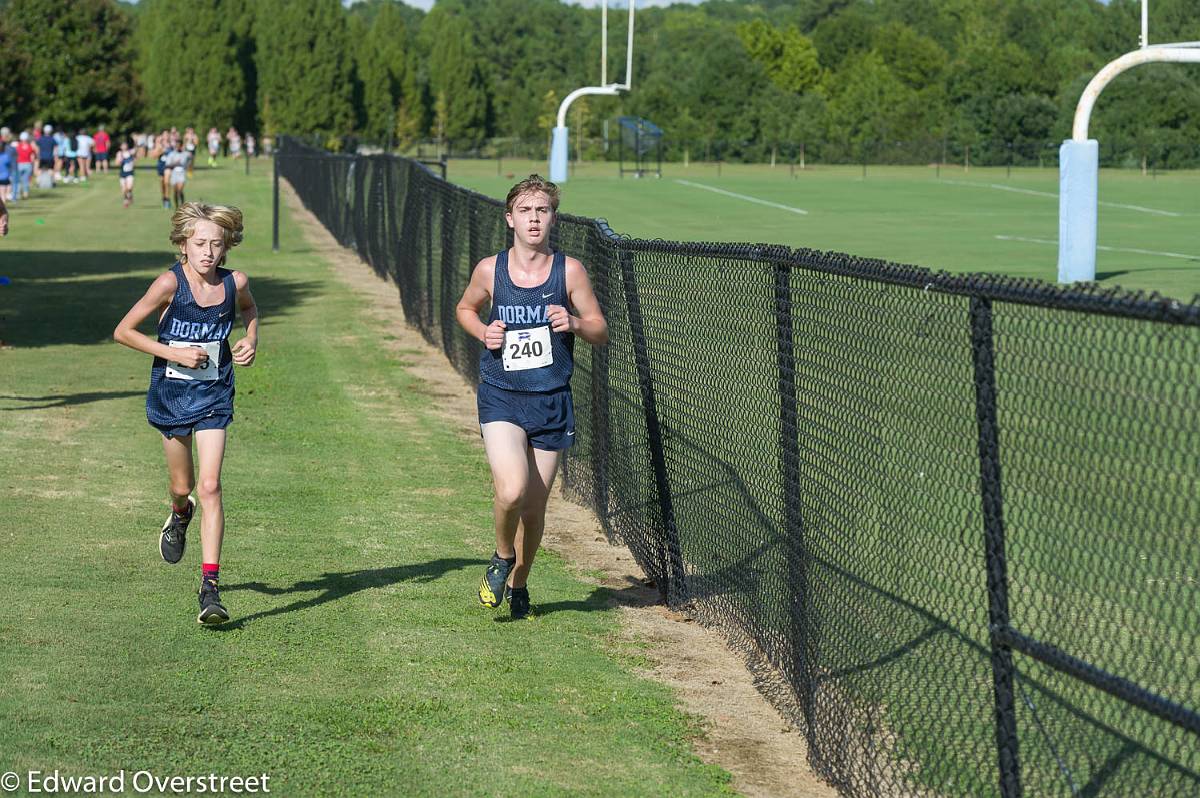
[[800, 211], [1016, 190], [1106, 249]]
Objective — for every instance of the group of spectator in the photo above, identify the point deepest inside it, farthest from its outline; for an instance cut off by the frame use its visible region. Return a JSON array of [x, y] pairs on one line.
[[47, 156], [43, 156]]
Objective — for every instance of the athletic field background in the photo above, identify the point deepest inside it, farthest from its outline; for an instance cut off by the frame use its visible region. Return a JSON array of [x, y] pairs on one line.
[[984, 220], [358, 661]]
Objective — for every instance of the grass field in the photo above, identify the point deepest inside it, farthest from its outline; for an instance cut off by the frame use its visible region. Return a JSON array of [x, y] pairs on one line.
[[984, 220], [357, 661]]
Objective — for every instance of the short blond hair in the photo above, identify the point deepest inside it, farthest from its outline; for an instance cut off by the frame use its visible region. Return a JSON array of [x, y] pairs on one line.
[[529, 185], [228, 218]]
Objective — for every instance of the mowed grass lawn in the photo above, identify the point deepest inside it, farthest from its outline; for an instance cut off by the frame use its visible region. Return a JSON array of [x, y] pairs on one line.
[[983, 220], [358, 661]]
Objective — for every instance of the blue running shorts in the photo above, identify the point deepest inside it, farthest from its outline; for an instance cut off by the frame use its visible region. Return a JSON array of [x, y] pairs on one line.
[[547, 418], [215, 421]]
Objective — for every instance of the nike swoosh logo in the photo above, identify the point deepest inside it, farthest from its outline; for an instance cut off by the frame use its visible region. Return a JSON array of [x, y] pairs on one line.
[[547, 296], [572, 432]]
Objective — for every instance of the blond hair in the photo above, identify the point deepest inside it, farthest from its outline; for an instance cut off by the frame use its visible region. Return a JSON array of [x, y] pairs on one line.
[[530, 185], [228, 218]]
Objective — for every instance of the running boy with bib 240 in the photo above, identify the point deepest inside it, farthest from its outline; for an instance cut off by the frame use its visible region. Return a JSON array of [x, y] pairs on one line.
[[540, 300]]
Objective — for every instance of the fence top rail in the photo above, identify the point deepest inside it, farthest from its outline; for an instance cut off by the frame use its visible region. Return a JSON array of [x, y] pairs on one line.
[[1091, 298]]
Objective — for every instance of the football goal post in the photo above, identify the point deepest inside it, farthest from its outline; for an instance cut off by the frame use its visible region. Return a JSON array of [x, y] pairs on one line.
[[1079, 159], [558, 143]]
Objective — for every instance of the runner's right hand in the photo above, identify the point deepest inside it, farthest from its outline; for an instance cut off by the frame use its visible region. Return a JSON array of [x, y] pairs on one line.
[[493, 336], [190, 357]]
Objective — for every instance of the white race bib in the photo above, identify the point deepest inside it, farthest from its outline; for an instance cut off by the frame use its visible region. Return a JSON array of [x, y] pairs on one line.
[[527, 349], [209, 373]]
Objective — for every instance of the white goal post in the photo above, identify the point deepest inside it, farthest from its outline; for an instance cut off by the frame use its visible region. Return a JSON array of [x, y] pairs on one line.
[[1079, 159], [558, 145]]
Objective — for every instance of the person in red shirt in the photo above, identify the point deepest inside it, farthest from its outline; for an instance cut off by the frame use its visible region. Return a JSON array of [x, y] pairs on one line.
[[102, 141], [25, 153]]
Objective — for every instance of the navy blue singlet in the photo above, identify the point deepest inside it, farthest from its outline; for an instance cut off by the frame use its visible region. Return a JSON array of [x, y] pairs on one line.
[[525, 309], [179, 403]]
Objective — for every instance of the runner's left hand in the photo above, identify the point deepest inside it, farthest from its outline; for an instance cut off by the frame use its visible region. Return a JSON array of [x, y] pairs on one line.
[[243, 351], [560, 319]]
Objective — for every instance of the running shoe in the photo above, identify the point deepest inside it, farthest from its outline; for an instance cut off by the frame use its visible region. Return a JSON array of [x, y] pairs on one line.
[[518, 602], [491, 587], [212, 611], [173, 539]]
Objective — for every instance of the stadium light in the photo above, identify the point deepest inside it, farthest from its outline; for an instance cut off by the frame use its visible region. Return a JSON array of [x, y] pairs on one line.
[[558, 144], [1079, 158]]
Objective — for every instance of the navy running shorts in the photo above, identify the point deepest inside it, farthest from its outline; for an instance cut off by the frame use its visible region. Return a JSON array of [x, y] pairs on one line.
[[215, 421], [547, 418]]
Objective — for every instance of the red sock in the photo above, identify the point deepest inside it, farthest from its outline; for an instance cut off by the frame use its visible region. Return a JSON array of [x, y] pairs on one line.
[[209, 571], [183, 509]]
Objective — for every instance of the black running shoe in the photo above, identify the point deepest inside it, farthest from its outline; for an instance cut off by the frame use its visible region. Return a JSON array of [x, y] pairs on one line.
[[212, 611], [491, 587], [518, 602], [173, 539]]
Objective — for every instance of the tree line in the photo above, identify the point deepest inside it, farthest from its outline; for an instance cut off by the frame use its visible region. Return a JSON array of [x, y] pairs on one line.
[[755, 78]]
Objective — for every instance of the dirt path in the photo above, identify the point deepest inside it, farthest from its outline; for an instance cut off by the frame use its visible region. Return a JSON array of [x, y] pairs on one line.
[[742, 732]]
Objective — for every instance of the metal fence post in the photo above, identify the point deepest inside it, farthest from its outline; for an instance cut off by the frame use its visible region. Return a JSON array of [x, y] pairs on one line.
[[1003, 675], [799, 607], [671, 574], [275, 205]]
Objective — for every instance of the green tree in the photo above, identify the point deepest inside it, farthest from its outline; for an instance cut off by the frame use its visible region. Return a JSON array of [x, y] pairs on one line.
[[1148, 114], [548, 118], [383, 70], [686, 129], [304, 67], [917, 60], [776, 111], [809, 124], [867, 103], [787, 56], [191, 37], [843, 35], [413, 110], [455, 77], [526, 47], [80, 55], [14, 80]]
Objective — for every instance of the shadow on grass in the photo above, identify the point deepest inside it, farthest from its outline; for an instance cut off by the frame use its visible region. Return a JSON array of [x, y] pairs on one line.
[[66, 399], [60, 298], [334, 586], [602, 599]]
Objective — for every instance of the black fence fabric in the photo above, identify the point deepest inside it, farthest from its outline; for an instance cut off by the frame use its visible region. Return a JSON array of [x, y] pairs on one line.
[[958, 517]]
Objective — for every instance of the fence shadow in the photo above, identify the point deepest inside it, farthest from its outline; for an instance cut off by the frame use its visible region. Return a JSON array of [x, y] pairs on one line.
[[66, 399], [339, 585]]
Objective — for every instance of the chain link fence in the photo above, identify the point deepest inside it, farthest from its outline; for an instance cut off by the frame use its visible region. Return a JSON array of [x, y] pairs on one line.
[[951, 521]]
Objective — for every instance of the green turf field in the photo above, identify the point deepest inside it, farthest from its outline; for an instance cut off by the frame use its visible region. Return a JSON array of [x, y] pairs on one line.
[[358, 662], [985, 220]]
